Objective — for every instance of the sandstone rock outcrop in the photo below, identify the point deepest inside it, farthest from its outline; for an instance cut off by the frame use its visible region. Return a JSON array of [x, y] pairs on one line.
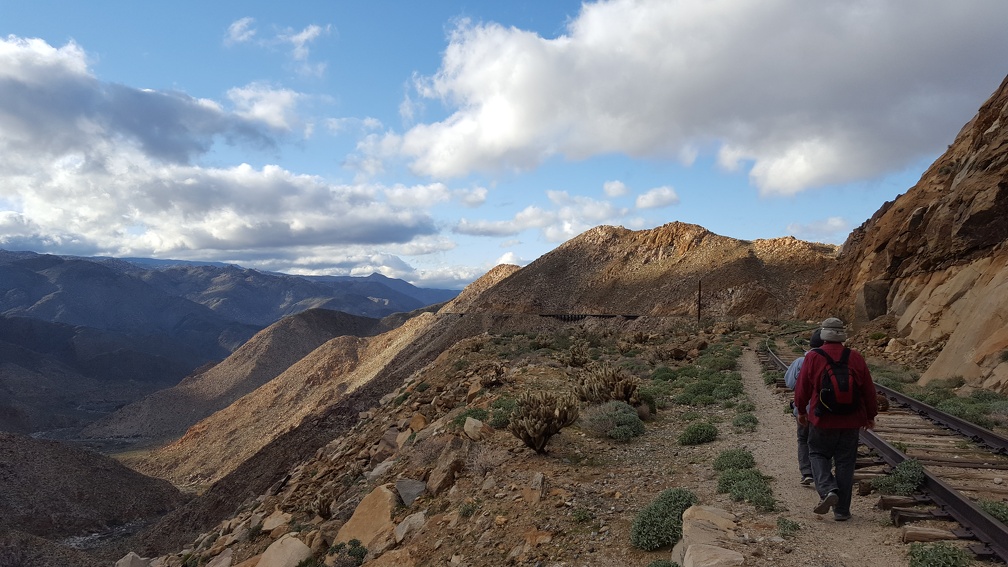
[[936, 259]]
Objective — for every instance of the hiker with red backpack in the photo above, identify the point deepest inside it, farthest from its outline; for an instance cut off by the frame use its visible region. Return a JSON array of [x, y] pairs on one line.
[[836, 397]]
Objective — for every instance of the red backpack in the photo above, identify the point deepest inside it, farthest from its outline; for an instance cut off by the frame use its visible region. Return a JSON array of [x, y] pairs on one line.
[[838, 393]]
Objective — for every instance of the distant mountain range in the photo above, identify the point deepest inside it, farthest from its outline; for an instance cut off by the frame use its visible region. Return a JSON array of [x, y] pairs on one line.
[[82, 336]]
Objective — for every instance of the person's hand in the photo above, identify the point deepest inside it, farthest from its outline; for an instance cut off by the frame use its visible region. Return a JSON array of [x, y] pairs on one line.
[[870, 424], [802, 419]]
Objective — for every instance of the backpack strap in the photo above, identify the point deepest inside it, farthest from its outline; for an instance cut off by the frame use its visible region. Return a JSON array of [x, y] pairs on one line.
[[829, 359]]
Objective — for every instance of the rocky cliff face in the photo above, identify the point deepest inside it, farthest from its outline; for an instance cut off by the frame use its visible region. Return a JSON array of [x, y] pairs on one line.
[[935, 258]]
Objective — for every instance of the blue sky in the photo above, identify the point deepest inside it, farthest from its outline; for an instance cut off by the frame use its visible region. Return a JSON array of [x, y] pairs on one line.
[[433, 140]]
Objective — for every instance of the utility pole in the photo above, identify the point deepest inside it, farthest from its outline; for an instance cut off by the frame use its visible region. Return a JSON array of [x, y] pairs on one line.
[[698, 288]]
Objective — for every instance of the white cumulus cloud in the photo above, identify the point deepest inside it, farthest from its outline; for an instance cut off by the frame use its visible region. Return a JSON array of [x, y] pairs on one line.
[[800, 94], [657, 198]]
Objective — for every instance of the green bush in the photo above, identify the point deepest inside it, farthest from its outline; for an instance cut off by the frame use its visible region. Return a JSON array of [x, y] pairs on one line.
[[582, 515], [501, 410], [467, 509], [746, 422], [749, 485], [997, 509], [903, 480], [698, 432], [734, 459], [770, 377], [745, 406], [655, 390], [663, 373], [938, 555], [786, 527], [659, 524], [616, 420], [475, 413]]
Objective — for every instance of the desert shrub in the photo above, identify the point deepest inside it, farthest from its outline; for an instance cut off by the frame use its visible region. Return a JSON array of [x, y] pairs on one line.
[[734, 459], [656, 392], [698, 432], [582, 515], [500, 411], [664, 374], [787, 527], [720, 358], [615, 419], [540, 415], [997, 509], [659, 524], [939, 554], [745, 406], [484, 457], [662, 563], [971, 412], [749, 485], [903, 480], [770, 377], [601, 382], [467, 509], [691, 415], [475, 413], [311, 562], [745, 422]]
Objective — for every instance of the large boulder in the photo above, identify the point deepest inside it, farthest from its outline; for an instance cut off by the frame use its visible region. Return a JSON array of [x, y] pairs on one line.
[[371, 521]]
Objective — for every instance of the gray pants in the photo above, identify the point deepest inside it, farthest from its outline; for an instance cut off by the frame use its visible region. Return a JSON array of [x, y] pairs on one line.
[[829, 448], [804, 464]]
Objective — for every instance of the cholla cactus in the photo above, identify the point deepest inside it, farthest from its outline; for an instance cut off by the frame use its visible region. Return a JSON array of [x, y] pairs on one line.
[[577, 355], [603, 382], [540, 415]]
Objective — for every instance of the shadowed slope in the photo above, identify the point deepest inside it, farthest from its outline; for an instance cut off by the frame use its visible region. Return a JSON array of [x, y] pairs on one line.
[[168, 413]]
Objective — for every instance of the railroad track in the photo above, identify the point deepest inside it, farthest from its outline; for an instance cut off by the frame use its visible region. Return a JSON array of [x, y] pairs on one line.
[[962, 463]]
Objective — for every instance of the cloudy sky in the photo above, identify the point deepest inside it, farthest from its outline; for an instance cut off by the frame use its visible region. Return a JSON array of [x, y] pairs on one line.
[[430, 141]]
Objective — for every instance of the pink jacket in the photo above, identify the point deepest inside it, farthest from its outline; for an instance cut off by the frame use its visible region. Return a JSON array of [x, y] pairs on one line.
[[807, 389]]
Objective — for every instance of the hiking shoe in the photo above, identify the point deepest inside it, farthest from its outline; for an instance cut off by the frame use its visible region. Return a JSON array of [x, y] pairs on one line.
[[840, 516], [827, 502], [808, 481]]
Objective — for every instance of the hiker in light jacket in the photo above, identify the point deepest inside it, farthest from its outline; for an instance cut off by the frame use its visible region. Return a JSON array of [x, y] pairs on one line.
[[790, 379], [833, 438]]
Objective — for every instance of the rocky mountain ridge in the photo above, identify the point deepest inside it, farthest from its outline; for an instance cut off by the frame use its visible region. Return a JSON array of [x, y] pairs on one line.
[[80, 337], [615, 271]]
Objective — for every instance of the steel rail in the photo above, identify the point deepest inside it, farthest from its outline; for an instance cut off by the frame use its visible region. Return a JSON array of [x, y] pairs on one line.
[[981, 525], [994, 442]]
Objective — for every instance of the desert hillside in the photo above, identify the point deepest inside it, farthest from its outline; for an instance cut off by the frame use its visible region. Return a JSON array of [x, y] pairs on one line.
[[935, 260], [54, 490], [615, 271], [165, 415]]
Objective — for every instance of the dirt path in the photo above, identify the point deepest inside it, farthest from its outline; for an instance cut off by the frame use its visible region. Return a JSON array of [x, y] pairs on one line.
[[867, 539]]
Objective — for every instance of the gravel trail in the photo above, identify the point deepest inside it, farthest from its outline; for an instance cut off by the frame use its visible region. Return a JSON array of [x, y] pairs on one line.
[[867, 539]]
